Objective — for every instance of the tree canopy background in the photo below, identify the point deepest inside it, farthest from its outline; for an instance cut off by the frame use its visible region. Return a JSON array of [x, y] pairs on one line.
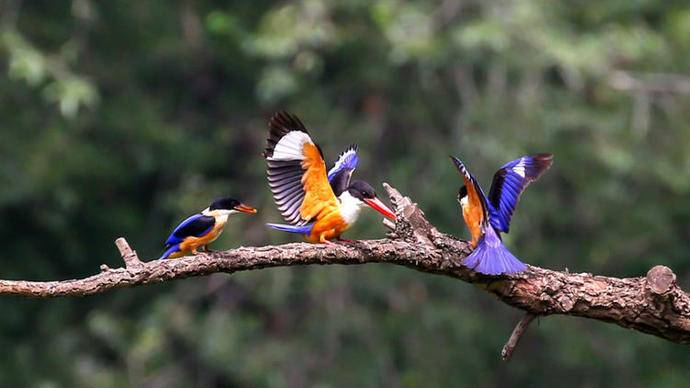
[[121, 118]]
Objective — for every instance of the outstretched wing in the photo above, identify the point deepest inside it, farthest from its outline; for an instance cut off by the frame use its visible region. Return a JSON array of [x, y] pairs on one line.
[[296, 171], [340, 174], [477, 209], [509, 183], [194, 226]]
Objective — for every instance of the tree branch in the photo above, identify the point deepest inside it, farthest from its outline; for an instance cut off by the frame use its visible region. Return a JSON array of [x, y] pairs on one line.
[[650, 82], [653, 304], [516, 335]]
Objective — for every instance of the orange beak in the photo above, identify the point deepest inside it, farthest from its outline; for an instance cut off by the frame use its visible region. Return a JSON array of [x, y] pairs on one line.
[[245, 209], [380, 207]]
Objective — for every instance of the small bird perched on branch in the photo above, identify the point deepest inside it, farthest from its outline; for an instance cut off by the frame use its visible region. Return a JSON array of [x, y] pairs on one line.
[[203, 228], [487, 218], [316, 203]]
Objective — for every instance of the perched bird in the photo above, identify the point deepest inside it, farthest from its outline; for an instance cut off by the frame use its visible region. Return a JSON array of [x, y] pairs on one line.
[[487, 218], [316, 203], [202, 228]]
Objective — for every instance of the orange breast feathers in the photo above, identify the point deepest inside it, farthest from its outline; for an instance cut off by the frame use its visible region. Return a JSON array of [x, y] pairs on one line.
[[318, 194], [473, 212], [320, 203], [330, 225]]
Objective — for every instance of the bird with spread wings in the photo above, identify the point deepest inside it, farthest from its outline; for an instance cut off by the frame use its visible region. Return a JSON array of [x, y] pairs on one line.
[[488, 217], [317, 203]]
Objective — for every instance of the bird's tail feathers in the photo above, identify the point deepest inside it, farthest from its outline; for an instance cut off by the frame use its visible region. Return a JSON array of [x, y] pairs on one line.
[[170, 250], [301, 229], [491, 257]]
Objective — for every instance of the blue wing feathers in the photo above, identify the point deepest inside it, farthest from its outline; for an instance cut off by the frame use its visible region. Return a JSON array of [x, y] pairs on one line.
[[196, 226], [348, 160], [340, 174], [508, 184], [304, 229], [169, 251]]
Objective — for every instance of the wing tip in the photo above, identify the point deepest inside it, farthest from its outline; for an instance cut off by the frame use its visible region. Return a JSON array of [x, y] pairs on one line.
[[543, 157], [542, 162], [350, 161], [460, 166], [280, 124]]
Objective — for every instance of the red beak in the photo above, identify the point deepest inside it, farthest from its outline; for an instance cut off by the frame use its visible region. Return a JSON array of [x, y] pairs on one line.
[[379, 206]]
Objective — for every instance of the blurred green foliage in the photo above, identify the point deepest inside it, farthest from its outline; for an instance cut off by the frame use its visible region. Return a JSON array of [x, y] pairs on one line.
[[120, 118]]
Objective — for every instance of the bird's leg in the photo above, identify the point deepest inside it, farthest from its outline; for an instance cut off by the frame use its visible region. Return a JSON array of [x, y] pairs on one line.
[[207, 249], [324, 240]]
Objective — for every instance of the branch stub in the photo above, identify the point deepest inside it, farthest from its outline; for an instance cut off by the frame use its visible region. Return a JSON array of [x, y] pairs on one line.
[[128, 254], [660, 279]]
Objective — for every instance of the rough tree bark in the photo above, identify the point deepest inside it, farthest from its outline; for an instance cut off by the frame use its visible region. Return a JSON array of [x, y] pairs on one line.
[[653, 304]]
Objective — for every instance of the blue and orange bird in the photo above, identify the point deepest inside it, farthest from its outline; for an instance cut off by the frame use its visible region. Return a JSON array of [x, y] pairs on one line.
[[201, 229], [317, 203], [487, 218]]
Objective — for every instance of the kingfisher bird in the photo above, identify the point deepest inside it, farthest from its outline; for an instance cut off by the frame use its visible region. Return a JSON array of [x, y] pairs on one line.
[[203, 228], [316, 203], [488, 217]]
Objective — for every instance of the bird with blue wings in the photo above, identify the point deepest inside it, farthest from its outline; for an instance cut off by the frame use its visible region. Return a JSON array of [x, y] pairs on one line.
[[201, 229], [488, 217], [317, 203]]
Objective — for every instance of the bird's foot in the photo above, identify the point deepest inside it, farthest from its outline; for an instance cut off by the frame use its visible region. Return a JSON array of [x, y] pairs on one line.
[[346, 241]]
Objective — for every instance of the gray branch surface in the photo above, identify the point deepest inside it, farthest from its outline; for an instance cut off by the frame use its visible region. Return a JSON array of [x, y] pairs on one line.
[[653, 304]]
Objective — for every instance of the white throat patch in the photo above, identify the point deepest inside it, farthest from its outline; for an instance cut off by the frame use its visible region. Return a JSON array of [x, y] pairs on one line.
[[463, 201], [349, 207], [221, 215]]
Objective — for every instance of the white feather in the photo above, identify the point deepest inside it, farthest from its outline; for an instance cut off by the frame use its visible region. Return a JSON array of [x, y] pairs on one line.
[[290, 146], [520, 168], [349, 207]]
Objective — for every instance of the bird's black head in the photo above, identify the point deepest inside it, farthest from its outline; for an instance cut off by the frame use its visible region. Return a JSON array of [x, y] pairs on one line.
[[365, 193], [226, 203], [361, 190], [462, 193], [231, 204]]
